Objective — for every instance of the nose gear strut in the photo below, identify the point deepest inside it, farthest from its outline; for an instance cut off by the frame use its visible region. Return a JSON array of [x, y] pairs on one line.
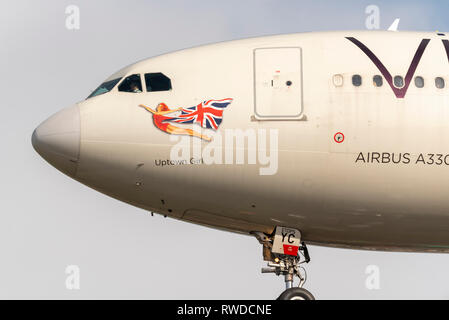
[[286, 255]]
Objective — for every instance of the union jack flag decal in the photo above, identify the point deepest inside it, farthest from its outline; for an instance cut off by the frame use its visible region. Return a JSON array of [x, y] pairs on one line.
[[208, 114]]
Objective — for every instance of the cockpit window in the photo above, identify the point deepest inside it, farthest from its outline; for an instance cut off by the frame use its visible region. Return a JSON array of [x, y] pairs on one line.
[[157, 82], [131, 84], [104, 87]]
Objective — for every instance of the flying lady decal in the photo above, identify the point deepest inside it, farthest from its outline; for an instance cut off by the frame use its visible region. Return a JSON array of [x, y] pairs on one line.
[[208, 114]]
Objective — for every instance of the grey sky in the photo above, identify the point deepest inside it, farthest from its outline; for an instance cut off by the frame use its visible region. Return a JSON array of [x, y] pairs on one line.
[[49, 221]]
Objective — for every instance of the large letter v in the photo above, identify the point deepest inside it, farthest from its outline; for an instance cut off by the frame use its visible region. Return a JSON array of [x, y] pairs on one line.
[[446, 46], [399, 92]]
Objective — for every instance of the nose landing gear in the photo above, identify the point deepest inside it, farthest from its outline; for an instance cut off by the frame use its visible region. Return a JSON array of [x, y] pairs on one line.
[[285, 256]]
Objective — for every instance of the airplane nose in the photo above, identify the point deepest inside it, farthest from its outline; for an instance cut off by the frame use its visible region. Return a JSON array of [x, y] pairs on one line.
[[57, 140]]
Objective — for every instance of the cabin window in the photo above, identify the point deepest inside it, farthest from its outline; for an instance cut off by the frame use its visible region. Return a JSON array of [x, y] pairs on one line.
[[104, 87], [398, 81], [419, 82], [338, 80], [439, 83], [131, 84], [357, 80], [378, 81], [157, 82]]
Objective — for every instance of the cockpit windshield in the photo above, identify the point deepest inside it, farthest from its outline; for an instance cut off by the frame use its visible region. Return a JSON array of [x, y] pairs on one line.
[[104, 87]]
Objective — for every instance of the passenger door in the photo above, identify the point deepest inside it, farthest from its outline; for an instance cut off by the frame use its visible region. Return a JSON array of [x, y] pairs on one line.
[[278, 83]]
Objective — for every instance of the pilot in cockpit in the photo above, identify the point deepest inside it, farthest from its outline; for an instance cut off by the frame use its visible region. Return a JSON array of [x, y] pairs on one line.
[[134, 87]]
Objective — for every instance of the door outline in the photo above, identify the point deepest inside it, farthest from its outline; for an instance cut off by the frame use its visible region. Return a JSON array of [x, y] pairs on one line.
[[298, 117]]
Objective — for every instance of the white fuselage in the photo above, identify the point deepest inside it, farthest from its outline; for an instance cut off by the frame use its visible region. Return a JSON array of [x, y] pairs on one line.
[[385, 186]]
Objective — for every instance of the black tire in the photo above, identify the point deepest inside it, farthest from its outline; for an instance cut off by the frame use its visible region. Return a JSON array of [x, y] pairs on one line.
[[296, 294]]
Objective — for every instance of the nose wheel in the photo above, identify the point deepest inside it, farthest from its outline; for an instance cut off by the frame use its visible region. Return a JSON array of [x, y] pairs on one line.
[[296, 294], [286, 256]]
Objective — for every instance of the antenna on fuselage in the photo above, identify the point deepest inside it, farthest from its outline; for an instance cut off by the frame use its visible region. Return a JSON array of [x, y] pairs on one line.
[[394, 26]]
